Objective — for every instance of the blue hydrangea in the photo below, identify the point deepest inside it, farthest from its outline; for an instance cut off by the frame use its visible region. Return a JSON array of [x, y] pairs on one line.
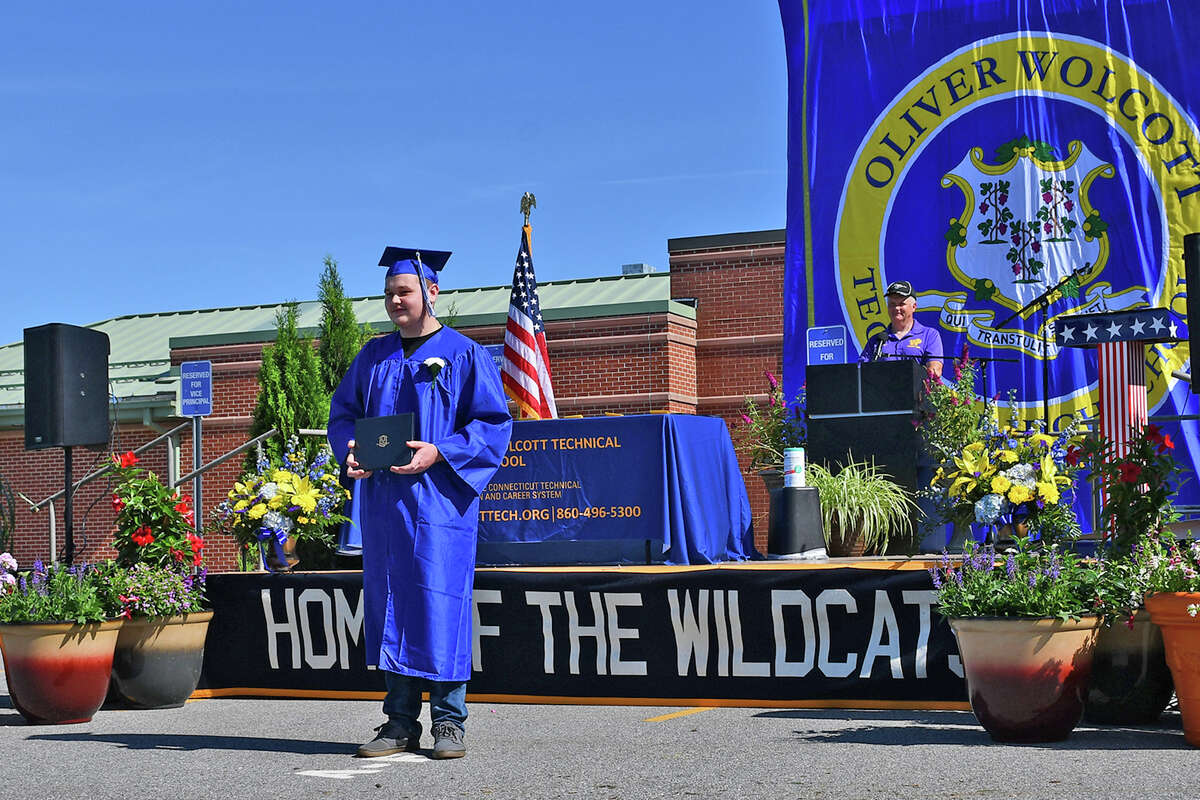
[[987, 508], [277, 521], [1022, 475]]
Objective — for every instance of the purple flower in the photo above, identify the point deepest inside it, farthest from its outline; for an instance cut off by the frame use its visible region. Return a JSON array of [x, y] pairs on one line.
[[1010, 566], [771, 379], [936, 575]]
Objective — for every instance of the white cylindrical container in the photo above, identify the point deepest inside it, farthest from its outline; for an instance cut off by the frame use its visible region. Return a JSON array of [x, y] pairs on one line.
[[793, 466]]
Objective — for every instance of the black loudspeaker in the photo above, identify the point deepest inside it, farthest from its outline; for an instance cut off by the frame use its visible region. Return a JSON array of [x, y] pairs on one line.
[[66, 387], [1191, 274]]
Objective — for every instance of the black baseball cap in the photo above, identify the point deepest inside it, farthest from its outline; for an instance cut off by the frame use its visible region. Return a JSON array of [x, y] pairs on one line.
[[899, 288]]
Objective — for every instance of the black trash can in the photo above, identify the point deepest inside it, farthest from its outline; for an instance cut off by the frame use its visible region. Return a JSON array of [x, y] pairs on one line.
[[795, 521]]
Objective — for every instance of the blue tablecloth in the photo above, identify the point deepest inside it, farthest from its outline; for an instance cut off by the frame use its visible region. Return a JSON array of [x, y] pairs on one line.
[[670, 480]]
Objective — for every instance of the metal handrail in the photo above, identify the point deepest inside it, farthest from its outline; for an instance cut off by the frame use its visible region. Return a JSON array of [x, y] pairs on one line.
[[243, 447], [222, 459], [35, 507]]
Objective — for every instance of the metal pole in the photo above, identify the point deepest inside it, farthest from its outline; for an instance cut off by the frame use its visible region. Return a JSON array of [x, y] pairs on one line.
[[67, 510], [172, 462], [53, 532], [1046, 366], [198, 481]]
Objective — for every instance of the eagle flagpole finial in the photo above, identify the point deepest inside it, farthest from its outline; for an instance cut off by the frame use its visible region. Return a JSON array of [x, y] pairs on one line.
[[528, 203]]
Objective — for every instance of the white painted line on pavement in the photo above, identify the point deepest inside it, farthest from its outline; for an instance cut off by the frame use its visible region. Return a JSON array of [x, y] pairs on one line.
[[376, 766]]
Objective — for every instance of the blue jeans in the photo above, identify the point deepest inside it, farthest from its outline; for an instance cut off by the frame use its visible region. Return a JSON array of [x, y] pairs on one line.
[[402, 705]]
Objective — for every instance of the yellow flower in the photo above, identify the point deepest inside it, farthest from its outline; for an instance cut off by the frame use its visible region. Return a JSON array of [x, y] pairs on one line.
[[1042, 439], [257, 511], [974, 458], [1019, 494], [1007, 456], [240, 505], [1000, 484], [1050, 473], [1048, 492], [305, 495]]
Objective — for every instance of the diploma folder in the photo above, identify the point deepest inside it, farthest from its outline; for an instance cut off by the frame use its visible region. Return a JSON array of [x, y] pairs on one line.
[[379, 442]]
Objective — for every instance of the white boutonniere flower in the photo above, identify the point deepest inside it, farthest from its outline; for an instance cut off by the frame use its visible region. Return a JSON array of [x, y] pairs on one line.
[[435, 365]]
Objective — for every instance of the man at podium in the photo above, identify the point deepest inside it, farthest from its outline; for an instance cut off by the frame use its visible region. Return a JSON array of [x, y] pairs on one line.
[[905, 338]]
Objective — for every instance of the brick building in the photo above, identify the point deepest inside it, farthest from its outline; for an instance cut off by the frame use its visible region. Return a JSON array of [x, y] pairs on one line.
[[693, 340]]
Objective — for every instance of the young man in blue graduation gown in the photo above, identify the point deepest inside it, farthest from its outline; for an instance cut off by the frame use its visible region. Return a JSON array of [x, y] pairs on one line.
[[419, 520]]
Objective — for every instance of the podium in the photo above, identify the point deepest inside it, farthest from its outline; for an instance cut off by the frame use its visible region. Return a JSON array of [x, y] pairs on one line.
[[865, 412]]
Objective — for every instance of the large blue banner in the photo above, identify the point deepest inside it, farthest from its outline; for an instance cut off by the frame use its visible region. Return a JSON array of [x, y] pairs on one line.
[[984, 151], [670, 479]]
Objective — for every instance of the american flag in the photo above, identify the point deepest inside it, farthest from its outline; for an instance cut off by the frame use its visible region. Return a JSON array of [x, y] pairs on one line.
[[1122, 397], [526, 372], [1122, 392]]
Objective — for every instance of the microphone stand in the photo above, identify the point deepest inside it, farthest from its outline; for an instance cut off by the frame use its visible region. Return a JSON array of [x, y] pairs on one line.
[[984, 361], [1042, 302]]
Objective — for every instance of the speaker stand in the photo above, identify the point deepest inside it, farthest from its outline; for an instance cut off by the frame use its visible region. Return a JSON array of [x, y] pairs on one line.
[[68, 518]]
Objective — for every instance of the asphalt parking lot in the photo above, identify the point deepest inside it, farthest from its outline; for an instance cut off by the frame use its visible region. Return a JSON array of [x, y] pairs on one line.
[[242, 748]]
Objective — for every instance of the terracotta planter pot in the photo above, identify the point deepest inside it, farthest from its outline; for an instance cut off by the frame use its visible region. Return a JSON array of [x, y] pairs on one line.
[[1181, 638], [58, 672], [157, 660], [1131, 683], [850, 544], [1026, 678]]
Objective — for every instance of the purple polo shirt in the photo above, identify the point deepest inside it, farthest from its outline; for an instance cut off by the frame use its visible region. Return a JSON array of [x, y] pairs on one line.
[[920, 340]]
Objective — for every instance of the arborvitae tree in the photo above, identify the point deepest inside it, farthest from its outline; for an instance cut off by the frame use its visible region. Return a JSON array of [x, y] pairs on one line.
[[341, 336], [291, 393]]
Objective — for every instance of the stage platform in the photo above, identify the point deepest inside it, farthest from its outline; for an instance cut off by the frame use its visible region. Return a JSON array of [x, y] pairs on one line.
[[836, 633]]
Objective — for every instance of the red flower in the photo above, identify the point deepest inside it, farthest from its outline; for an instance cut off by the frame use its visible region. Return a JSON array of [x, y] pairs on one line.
[[1129, 472], [117, 503], [1165, 444], [142, 536], [1073, 455], [196, 542], [176, 554], [184, 507], [126, 460]]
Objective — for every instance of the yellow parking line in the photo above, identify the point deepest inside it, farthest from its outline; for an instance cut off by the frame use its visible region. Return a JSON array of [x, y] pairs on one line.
[[674, 714]]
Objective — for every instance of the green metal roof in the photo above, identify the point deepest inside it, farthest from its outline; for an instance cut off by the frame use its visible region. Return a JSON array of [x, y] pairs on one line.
[[140, 344]]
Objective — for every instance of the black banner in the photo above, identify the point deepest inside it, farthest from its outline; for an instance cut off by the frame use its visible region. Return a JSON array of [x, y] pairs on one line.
[[769, 633]]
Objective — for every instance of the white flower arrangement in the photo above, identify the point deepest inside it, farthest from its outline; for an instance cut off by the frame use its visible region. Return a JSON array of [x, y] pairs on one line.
[[435, 365]]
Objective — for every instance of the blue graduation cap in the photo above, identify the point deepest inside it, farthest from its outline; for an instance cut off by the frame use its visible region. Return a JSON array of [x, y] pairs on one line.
[[408, 261], [422, 263]]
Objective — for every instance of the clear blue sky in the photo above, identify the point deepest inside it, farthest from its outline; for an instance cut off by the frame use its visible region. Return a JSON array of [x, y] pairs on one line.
[[168, 156]]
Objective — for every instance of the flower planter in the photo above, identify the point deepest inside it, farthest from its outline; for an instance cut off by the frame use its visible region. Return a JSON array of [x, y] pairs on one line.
[[158, 659], [850, 544], [58, 672], [1026, 678], [1131, 683], [1181, 639]]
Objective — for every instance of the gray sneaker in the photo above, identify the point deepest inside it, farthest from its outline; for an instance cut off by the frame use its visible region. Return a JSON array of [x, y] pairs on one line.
[[388, 742], [447, 741]]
